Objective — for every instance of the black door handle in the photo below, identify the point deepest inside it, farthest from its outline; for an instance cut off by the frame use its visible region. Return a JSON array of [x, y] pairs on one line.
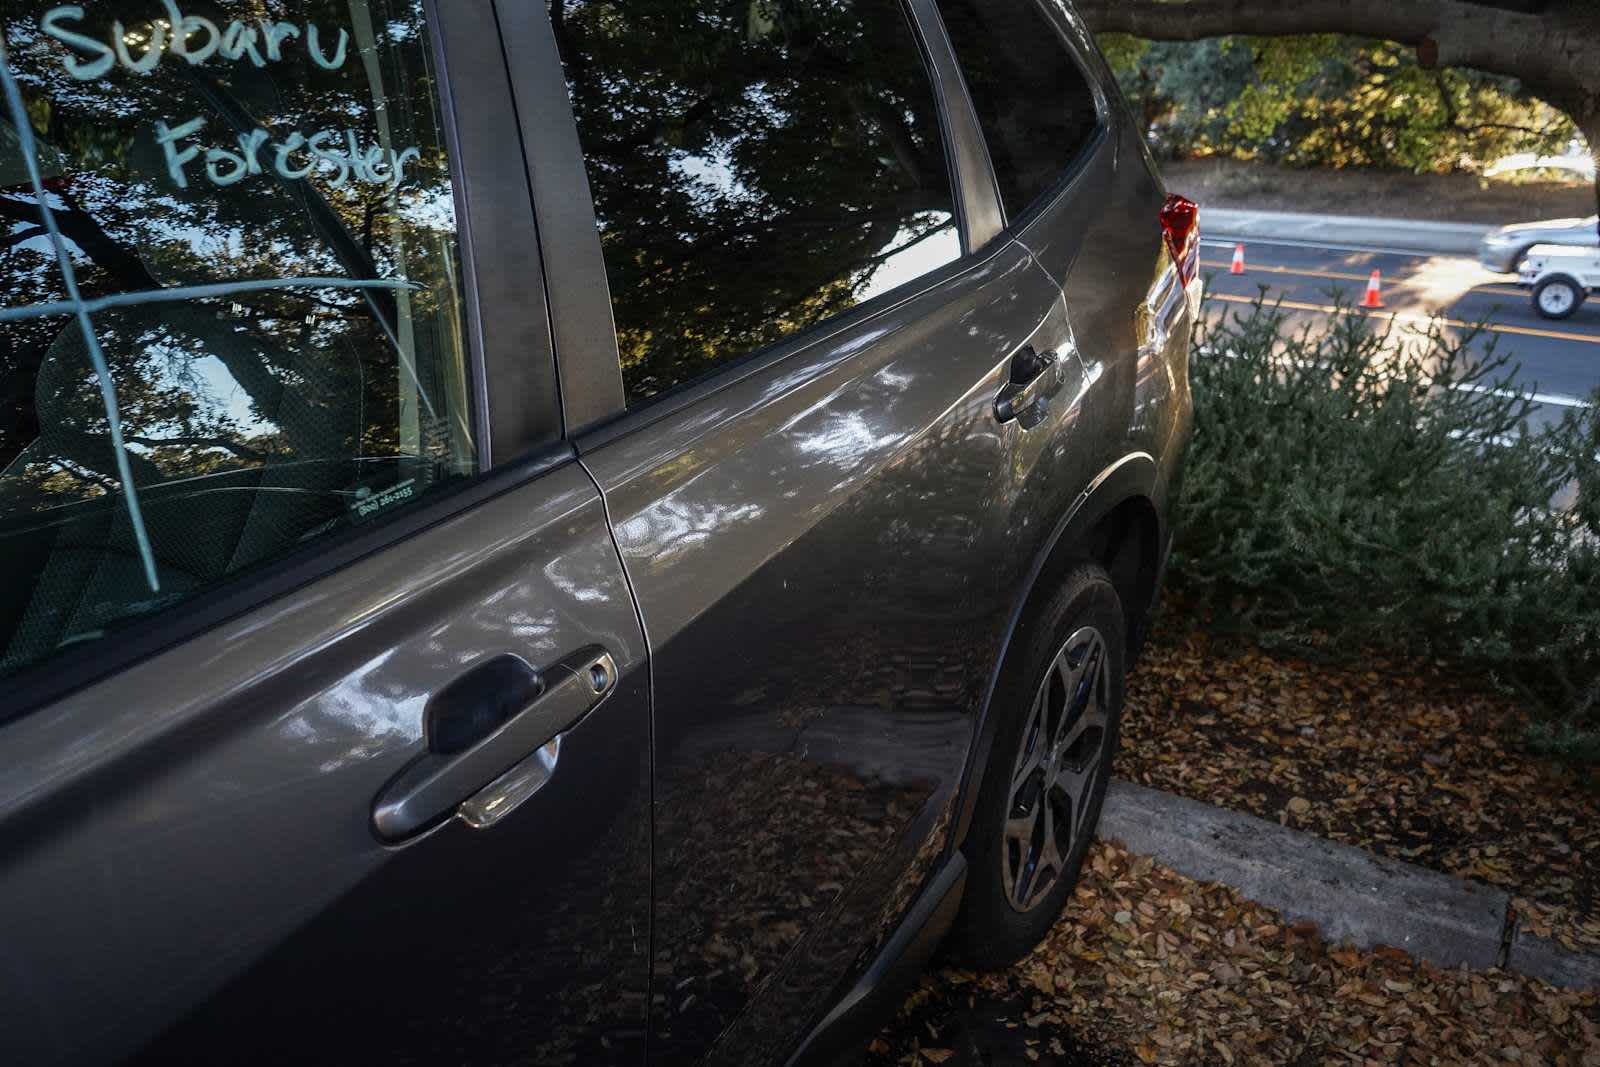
[[481, 730], [1035, 378]]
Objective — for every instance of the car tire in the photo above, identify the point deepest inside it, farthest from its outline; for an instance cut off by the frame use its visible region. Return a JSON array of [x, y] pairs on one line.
[[1558, 298], [1038, 805]]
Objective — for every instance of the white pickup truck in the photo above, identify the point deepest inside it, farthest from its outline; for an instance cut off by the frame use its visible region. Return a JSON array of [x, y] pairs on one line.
[[1562, 278]]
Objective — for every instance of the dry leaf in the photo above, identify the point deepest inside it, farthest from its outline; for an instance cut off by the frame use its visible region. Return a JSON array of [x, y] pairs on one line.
[[1269, 734], [1260, 1003]]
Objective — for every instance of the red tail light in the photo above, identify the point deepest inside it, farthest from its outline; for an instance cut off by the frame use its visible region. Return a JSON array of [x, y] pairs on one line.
[[1180, 225]]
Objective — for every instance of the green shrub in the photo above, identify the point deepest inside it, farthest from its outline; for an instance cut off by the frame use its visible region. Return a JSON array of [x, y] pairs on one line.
[[1352, 489]]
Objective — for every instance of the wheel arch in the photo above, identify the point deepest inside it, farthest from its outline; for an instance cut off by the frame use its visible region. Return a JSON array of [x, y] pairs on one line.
[[1115, 522]]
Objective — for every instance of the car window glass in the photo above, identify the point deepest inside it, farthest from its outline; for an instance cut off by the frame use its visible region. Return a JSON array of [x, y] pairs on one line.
[[757, 167], [254, 204], [1034, 104]]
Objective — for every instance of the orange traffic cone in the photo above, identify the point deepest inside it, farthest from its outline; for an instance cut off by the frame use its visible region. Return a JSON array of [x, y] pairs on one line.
[[1374, 297], [1238, 260]]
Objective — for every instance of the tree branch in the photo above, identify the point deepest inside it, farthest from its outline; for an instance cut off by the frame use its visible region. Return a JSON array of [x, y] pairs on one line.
[[240, 450], [1193, 20], [1552, 51], [26, 235], [1453, 115]]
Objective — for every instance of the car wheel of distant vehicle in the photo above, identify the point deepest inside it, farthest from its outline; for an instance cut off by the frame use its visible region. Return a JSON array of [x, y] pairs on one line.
[[1047, 773], [1558, 298]]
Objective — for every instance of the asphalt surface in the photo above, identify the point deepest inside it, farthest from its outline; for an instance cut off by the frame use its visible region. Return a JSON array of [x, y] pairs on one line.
[[1560, 360]]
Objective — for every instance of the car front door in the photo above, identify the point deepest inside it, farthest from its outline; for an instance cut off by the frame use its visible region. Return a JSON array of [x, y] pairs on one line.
[[812, 463], [325, 703]]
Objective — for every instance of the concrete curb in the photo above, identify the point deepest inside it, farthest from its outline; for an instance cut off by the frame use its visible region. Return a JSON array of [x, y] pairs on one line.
[[1540, 957], [1442, 238], [1348, 892]]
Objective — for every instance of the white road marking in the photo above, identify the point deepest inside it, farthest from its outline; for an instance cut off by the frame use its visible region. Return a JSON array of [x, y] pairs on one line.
[[1412, 318], [1560, 400]]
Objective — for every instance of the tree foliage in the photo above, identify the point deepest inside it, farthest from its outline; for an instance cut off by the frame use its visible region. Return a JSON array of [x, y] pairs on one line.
[[1349, 488], [768, 128], [1328, 100]]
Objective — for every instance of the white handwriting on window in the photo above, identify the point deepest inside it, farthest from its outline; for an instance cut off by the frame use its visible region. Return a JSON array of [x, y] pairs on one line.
[[373, 164], [260, 41], [196, 39]]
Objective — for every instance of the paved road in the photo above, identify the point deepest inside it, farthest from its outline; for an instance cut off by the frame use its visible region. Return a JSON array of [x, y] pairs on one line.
[[1560, 359]]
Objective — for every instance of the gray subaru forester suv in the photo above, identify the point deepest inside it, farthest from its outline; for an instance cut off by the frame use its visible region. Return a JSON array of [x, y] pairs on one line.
[[566, 532]]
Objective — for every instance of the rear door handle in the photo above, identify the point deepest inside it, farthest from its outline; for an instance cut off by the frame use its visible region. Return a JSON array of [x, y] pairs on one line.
[[1035, 378], [493, 737]]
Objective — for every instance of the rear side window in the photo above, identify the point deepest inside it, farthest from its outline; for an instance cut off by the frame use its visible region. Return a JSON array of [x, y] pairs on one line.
[[757, 167], [254, 204], [1036, 108]]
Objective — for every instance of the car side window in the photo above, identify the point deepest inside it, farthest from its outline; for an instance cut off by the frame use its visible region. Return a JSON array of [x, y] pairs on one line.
[[757, 168], [1036, 107], [230, 301]]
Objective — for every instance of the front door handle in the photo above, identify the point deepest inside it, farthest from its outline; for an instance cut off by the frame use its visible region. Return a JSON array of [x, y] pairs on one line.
[[493, 736], [1035, 378]]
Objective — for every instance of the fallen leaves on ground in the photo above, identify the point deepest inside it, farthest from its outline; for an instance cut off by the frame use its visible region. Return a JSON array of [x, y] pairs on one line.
[[1406, 759], [1196, 974]]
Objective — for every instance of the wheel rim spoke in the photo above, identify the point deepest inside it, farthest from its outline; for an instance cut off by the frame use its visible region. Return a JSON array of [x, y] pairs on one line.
[[1078, 785], [1078, 768], [1064, 675], [1020, 834], [1084, 739], [1082, 666], [1050, 848], [1020, 828], [1034, 747]]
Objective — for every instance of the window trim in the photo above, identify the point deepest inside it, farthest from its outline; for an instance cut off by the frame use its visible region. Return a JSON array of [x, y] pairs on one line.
[[589, 365], [982, 215], [1060, 20], [1062, 186], [465, 76], [497, 233]]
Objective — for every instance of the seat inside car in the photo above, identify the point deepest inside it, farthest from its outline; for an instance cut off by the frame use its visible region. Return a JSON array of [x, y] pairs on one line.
[[211, 505]]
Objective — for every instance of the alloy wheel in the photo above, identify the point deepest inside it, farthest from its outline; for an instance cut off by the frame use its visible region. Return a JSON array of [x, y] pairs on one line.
[[1056, 770], [1556, 299]]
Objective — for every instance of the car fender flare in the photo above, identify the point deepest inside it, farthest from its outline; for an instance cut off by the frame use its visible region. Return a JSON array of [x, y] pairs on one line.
[[1135, 475]]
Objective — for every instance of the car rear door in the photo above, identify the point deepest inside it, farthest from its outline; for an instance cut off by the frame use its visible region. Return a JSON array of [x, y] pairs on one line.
[[1072, 179], [824, 508], [1078, 188], [325, 703]]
